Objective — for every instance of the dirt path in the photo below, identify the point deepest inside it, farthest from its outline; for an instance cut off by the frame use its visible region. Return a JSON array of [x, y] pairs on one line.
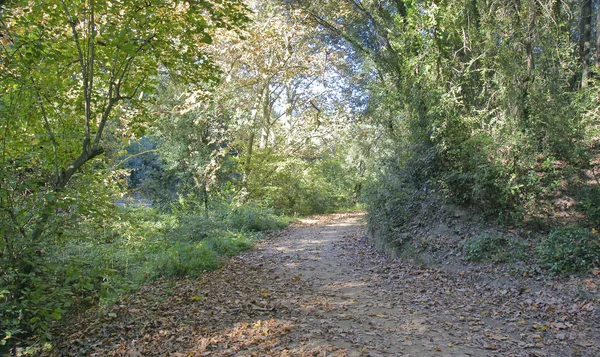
[[319, 289]]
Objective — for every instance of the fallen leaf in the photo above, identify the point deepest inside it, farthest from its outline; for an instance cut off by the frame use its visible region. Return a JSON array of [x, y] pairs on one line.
[[499, 337], [489, 346]]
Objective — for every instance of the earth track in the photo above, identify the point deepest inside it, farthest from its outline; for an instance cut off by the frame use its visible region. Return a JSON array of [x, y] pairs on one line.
[[320, 289]]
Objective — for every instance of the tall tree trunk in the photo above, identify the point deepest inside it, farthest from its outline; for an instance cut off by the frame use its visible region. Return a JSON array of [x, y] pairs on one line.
[[266, 116], [585, 43], [249, 153], [598, 36], [289, 108], [530, 37], [256, 125]]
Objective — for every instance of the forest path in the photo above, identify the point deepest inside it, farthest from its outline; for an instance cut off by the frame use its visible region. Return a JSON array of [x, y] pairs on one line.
[[320, 289]]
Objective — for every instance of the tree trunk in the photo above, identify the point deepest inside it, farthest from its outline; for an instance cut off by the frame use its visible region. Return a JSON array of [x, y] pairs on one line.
[[249, 154], [585, 41], [61, 182], [530, 37], [205, 198], [256, 125], [266, 116], [598, 36]]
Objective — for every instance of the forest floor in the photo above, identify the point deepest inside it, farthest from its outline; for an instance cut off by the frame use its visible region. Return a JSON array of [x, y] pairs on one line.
[[320, 289]]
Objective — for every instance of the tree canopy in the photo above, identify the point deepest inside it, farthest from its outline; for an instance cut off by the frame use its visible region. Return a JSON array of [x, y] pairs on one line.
[[223, 114]]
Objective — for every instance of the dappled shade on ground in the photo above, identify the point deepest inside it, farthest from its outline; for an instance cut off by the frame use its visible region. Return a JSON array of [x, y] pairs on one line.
[[319, 289]]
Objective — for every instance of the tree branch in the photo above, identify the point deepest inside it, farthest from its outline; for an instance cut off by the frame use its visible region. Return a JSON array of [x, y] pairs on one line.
[[49, 130], [84, 73], [91, 49]]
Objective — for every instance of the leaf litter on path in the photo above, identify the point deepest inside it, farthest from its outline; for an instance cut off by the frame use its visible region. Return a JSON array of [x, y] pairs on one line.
[[321, 289]]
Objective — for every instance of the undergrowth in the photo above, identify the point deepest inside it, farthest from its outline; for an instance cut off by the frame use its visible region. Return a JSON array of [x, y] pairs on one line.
[[147, 244], [98, 261], [495, 248], [570, 249]]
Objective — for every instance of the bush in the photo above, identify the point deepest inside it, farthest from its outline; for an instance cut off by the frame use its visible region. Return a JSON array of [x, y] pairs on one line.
[[254, 219], [100, 260], [194, 227], [488, 247], [390, 201], [590, 203], [29, 302], [186, 259], [494, 174], [300, 186], [230, 244], [570, 249]]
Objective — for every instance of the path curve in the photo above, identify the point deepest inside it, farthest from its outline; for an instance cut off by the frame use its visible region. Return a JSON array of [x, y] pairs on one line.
[[320, 289]]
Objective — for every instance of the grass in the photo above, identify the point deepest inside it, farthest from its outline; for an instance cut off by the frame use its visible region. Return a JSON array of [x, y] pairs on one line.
[[88, 260], [141, 244]]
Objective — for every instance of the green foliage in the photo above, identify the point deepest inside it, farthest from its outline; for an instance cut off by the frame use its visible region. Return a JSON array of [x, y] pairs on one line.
[[482, 173], [472, 95], [590, 203], [102, 257], [471, 101], [570, 249], [254, 219], [186, 259], [300, 186], [492, 247], [74, 79], [229, 244], [390, 200], [30, 302]]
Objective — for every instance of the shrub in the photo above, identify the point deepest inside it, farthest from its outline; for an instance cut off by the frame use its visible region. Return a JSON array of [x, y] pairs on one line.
[[590, 203], [100, 260], [194, 227], [230, 244], [30, 302], [488, 247], [389, 201], [300, 186], [186, 259], [254, 219], [570, 249], [495, 174]]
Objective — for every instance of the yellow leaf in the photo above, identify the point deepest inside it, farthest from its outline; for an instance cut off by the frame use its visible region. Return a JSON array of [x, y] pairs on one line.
[[376, 315]]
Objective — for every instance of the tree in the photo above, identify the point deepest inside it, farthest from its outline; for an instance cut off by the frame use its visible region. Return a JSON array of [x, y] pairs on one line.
[[84, 67], [276, 103], [74, 75], [475, 89], [192, 138], [277, 98]]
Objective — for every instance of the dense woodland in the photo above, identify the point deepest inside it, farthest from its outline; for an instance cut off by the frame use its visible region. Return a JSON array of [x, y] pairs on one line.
[[147, 139]]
